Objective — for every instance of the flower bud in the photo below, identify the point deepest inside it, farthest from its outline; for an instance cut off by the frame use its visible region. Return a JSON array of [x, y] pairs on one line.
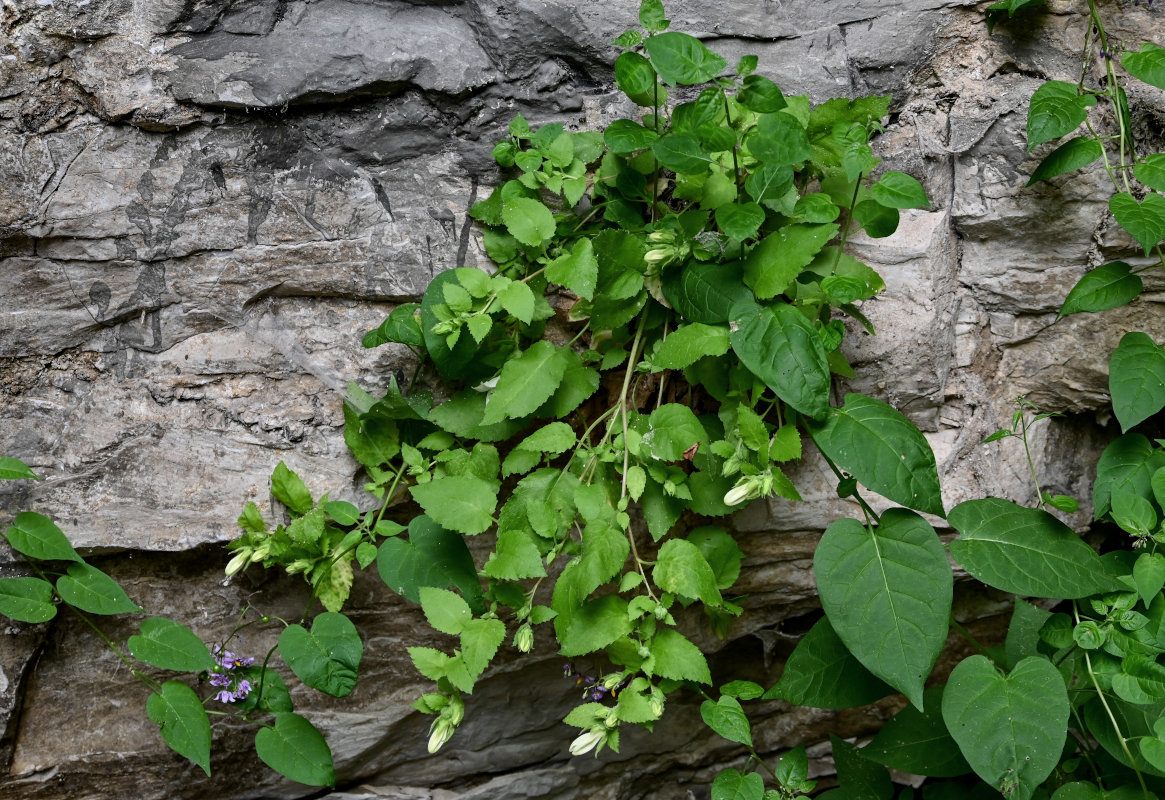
[[262, 551], [524, 639], [241, 559], [455, 711], [613, 680], [658, 255], [738, 493], [299, 565], [439, 733], [657, 705], [660, 613], [661, 236], [586, 741]]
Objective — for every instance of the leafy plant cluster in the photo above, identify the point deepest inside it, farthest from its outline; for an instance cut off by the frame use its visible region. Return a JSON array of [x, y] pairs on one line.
[[658, 337]]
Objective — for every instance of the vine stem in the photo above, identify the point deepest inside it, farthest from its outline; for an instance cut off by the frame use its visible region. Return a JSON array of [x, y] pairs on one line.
[[1030, 463], [866, 508], [970, 637], [631, 362]]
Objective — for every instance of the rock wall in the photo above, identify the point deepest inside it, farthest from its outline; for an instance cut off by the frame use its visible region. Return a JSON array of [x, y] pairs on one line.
[[205, 203]]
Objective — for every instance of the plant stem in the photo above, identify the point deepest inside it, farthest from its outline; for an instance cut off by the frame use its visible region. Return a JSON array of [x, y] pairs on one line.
[[870, 512]]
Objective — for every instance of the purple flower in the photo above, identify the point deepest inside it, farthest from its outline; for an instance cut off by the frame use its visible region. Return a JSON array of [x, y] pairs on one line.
[[234, 687]]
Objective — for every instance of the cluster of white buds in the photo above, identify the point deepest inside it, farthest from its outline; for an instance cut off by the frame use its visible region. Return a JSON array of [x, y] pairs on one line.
[[446, 723], [247, 555], [749, 487], [665, 250], [524, 639], [587, 741]]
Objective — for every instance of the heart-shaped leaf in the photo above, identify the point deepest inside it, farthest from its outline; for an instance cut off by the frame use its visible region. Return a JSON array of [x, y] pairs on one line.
[[327, 657], [1145, 221], [296, 750], [430, 556], [1136, 379], [1056, 109], [185, 725], [165, 644], [1148, 64], [37, 536]]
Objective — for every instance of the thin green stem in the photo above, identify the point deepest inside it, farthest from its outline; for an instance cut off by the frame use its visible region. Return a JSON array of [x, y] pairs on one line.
[[866, 508], [970, 637], [1031, 464]]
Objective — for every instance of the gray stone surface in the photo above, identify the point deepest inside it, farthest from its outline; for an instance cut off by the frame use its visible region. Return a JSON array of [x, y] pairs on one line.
[[204, 203]]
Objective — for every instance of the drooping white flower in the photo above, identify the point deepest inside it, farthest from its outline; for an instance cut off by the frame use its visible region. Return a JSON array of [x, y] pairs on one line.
[[587, 741]]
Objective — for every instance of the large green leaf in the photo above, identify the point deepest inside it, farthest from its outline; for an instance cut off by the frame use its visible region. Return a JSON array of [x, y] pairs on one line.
[[899, 190], [860, 778], [1056, 109], [777, 260], [682, 154], [1068, 157], [687, 344], [1010, 728], [918, 742], [1151, 171], [887, 594], [680, 568], [783, 349], [430, 556], [680, 58], [1133, 722], [624, 136], [731, 784], [779, 140], [1127, 465], [1136, 379], [27, 599], [527, 220], [1144, 220], [728, 719], [705, 292], [296, 750], [740, 220], [671, 430], [1026, 551], [634, 74], [822, 673], [526, 382], [883, 450], [1103, 288], [1148, 64], [461, 362], [593, 626], [462, 503], [37, 536], [577, 270], [758, 93], [327, 657], [184, 723], [166, 644], [677, 658], [90, 589]]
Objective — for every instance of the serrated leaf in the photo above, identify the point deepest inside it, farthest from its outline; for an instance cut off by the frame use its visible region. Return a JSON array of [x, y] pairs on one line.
[[636, 481], [1010, 728], [445, 611], [779, 141], [899, 190], [290, 490], [1056, 109], [1072, 155], [27, 599], [327, 657], [728, 719], [296, 750], [683, 59], [887, 594], [740, 220], [1145, 221], [777, 260], [517, 299], [516, 558], [1103, 288], [680, 568], [882, 449], [1148, 64], [553, 438], [166, 644], [822, 673], [526, 382], [37, 536], [12, 469], [1151, 172], [577, 271], [592, 626], [527, 220], [90, 589], [706, 292], [918, 742], [720, 551], [731, 784], [671, 430], [1136, 379], [677, 658], [480, 639], [184, 723], [1026, 551], [781, 347], [401, 326], [461, 503]]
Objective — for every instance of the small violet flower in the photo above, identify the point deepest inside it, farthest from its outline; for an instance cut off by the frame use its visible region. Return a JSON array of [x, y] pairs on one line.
[[233, 687]]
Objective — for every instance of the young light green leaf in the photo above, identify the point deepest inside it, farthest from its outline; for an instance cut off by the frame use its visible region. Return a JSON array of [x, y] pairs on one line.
[[680, 568], [1056, 109], [184, 723], [688, 344], [773, 265], [1010, 728], [1072, 155], [444, 610], [899, 190], [1148, 64], [90, 589], [822, 673], [651, 16], [480, 640], [433, 664], [918, 742], [290, 490], [515, 558], [683, 59], [296, 750], [37, 536], [672, 429], [462, 503], [12, 469], [592, 626], [1145, 221], [27, 599], [577, 271], [780, 141], [1026, 551], [742, 690], [731, 784], [326, 658], [1136, 379], [1103, 288], [527, 220], [526, 382], [677, 658], [166, 644], [728, 719], [1151, 172], [781, 347], [518, 300], [887, 594], [400, 326], [883, 450], [720, 551]]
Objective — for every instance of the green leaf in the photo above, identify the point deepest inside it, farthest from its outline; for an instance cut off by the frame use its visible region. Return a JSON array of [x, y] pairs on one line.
[[12, 469], [879, 221], [677, 658], [296, 750], [1128, 464], [400, 326], [462, 503], [1136, 379], [777, 260], [90, 589], [431, 556], [1151, 172], [165, 644], [445, 611], [721, 552], [680, 568], [822, 673], [1133, 513], [1133, 722], [27, 599], [1072, 155], [1149, 576], [733, 785], [1103, 288], [526, 382], [816, 207], [624, 136], [1140, 681], [1026, 551], [634, 74], [706, 292], [728, 719], [1055, 110], [1023, 632], [883, 450], [770, 185], [860, 778], [782, 348], [740, 220], [517, 299], [480, 640], [742, 690], [682, 154], [577, 271], [899, 190], [1011, 728], [918, 742], [1148, 64], [37, 536], [516, 558], [593, 626], [687, 344], [779, 140], [326, 658], [683, 59], [887, 594], [184, 723], [527, 220], [1145, 221], [290, 490], [758, 93], [672, 429], [651, 16]]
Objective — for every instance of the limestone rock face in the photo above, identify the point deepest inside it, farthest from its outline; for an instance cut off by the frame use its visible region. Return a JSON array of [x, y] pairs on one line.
[[205, 203]]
